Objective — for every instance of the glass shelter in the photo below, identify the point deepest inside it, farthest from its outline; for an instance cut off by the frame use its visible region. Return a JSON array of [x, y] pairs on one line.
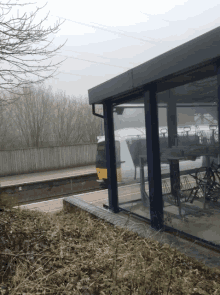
[[161, 143]]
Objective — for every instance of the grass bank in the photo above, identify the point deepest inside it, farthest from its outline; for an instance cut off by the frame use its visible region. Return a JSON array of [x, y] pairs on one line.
[[77, 253]]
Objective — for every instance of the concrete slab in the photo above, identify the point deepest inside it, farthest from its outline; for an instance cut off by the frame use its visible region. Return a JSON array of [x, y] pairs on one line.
[[199, 204], [172, 209], [50, 206], [166, 204], [94, 196]]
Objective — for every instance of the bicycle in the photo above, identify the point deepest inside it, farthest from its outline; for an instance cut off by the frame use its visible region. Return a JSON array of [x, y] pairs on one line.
[[208, 184]]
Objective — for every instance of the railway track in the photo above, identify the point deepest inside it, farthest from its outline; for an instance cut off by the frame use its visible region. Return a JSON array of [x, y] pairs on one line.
[[51, 189], [58, 196], [28, 193]]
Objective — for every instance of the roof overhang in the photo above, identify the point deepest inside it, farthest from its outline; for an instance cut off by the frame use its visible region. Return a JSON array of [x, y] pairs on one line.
[[164, 105], [191, 61]]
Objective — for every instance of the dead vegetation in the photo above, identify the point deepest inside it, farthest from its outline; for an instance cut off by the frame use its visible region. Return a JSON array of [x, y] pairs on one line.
[[77, 253]]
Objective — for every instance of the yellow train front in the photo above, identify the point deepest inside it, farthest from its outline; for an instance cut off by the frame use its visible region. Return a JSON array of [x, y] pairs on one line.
[[101, 166], [127, 155], [130, 143]]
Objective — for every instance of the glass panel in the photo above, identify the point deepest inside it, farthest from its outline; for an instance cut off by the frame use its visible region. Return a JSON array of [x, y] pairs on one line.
[[195, 207], [130, 136], [130, 133]]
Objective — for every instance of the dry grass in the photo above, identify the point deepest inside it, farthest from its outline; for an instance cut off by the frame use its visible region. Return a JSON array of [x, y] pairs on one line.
[[76, 253]]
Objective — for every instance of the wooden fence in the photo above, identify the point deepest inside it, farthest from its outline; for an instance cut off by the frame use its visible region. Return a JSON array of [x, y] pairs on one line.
[[44, 159]]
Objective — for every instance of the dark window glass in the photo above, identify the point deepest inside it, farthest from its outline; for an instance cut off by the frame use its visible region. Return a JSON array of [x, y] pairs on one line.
[[101, 155]]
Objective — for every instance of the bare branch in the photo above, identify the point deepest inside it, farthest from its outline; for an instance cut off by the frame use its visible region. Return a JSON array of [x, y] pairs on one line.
[[24, 49]]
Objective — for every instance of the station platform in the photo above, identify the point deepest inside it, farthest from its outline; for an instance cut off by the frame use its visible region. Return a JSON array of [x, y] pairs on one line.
[[23, 179], [46, 176]]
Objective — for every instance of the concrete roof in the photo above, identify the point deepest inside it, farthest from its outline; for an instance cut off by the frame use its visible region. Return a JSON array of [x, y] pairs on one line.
[[191, 61]]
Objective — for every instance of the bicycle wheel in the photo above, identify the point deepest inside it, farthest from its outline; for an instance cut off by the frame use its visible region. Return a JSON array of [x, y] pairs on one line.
[[206, 177], [214, 193], [216, 170], [196, 193]]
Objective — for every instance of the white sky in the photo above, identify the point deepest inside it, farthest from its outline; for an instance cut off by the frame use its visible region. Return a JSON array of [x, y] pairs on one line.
[[167, 24]]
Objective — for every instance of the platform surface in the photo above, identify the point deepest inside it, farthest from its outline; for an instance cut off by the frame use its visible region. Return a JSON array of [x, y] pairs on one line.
[[46, 176], [78, 171]]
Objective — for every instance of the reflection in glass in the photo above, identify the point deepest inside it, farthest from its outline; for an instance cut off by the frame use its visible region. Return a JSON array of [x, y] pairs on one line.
[[196, 208]]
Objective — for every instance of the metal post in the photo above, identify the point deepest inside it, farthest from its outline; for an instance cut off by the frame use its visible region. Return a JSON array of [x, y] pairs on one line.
[[172, 135], [102, 131], [218, 103], [153, 159], [176, 140], [144, 196], [110, 157], [142, 180], [213, 136], [207, 161]]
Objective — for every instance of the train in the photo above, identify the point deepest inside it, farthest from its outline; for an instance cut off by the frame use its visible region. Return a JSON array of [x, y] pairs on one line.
[[131, 142]]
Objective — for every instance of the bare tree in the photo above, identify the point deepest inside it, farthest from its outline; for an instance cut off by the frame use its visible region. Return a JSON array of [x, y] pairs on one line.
[[67, 117], [74, 122], [8, 135], [91, 124], [32, 115], [24, 49], [41, 118]]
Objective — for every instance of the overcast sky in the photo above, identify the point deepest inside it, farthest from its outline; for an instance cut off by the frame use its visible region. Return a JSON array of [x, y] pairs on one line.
[[116, 36]]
